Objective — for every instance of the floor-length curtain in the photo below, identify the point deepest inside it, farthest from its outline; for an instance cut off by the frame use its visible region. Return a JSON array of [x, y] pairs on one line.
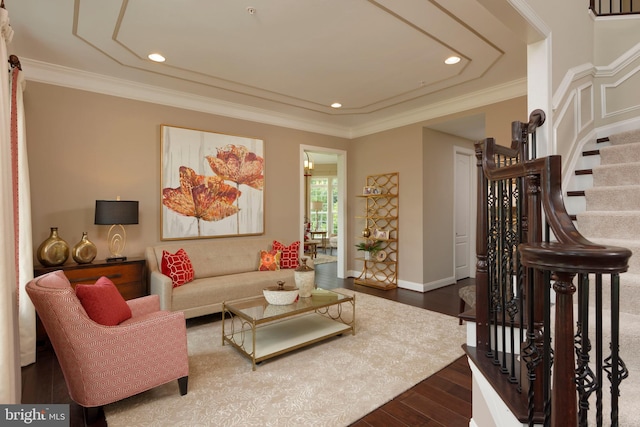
[[22, 218], [9, 338]]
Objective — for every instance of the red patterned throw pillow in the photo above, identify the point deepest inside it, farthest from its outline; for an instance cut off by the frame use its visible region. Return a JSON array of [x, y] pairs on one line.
[[269, 260], [178, 267], [290, 254], [103, 303]]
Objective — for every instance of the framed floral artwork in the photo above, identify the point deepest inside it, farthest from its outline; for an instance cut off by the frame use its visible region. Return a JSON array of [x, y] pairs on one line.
[[212, 184]]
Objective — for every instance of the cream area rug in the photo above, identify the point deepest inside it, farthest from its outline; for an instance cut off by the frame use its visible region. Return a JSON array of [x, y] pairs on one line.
[[333, 383], [324, 258]]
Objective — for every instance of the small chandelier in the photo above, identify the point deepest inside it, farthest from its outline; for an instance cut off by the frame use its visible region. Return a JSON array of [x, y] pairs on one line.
[[308, 165]]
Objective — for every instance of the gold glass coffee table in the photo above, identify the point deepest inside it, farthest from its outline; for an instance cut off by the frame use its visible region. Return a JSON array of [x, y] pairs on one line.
[[261, 331]]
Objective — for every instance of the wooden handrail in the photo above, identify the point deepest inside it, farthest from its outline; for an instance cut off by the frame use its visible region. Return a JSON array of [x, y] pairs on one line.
[[521, 260]]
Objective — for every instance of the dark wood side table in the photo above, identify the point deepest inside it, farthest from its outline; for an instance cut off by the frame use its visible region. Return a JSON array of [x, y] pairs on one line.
[[130, 277]]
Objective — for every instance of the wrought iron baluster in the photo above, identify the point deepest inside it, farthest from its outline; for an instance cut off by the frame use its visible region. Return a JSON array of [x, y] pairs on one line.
[[585, 378], [614, 365], [599, 367]]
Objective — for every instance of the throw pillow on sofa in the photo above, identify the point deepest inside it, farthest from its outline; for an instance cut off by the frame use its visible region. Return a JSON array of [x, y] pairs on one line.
[[103, 303], [269, 260], [178, 267], [290, 254]]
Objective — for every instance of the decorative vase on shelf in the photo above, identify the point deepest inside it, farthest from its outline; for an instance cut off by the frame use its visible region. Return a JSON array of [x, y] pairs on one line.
[[305, 278], [366, 232], [367, 255], [84, 251], [53, 251]]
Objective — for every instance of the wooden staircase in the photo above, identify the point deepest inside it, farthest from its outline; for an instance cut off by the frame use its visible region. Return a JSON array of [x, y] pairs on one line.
[[520, 267], [594, 154], [612, 204]]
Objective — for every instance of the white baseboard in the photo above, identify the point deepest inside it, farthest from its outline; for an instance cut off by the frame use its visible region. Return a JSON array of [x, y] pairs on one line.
[[425, 287], [413, 286], [617, 127]]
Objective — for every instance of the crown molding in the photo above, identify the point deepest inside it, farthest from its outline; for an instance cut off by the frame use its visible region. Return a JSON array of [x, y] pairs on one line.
[[59, 75], [510, 90], [532, 18]]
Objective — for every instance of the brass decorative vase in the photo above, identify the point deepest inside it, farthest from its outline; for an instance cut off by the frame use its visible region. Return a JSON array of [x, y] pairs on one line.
[[53, 251], [366, 232], [84, 251], [305, 278]]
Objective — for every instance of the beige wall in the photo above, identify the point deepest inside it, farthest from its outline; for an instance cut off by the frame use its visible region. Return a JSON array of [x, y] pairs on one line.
[[498, 118], [614, 37], [438, 203], [424, 159], [85, 146], [572, 35], [398, 150]]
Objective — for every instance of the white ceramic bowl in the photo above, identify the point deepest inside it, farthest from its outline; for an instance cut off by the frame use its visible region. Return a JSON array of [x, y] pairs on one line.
[[280, 294]]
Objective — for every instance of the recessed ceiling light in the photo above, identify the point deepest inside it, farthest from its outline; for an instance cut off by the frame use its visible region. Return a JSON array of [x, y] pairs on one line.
[[336, 105], [452, 60], [156, 57]]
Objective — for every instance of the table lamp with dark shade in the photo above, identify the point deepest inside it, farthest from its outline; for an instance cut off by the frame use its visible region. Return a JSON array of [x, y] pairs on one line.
[[117, 214]]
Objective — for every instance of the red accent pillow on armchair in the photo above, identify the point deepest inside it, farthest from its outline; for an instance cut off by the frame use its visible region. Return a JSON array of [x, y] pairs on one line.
[[289, 258], [178, 267], [103, 302]]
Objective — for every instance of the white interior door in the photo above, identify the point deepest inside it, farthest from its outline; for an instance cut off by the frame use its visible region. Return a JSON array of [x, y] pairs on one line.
[[462, 207]]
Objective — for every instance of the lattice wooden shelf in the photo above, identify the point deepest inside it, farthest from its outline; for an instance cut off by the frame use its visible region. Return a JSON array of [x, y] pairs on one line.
[[381, 214]]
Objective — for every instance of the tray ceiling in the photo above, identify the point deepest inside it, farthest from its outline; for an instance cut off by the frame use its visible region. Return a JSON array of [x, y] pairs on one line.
[[379, 59]]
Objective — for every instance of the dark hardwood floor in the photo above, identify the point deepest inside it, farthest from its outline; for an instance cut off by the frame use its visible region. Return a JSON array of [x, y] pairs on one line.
[[444, 399]]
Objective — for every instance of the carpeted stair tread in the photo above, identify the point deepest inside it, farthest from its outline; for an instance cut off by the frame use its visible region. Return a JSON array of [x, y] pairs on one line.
[[629, 293], [628, 137], [613, 218], [609, 224], [624, 153], [621, 197], [617, 174], [629, 344]]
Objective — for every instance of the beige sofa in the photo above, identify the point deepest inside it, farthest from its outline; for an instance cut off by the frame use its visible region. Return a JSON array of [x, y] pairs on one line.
[[224, 270]]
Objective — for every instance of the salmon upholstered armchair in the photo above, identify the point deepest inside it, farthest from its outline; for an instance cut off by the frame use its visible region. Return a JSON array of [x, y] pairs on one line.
[[104, 364]]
